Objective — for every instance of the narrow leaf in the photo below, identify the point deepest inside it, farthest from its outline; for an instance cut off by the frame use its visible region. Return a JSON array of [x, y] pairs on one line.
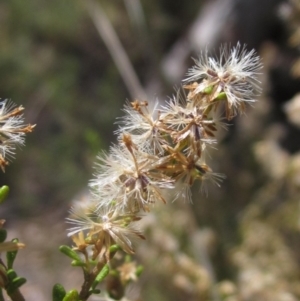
[[71, 296], [4, 190], [58, 292], [69, 252], [11, 256]]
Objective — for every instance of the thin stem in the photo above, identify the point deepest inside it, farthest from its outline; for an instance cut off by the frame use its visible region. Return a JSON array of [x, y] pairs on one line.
[[86, 256], [16, 296], [89, 279]]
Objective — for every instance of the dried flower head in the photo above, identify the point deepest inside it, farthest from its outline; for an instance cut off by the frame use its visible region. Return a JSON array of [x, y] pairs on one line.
[[232, 77], [189, 127], [129, 179], [144, 126], [12, 131], [104, 228], [186, 169]]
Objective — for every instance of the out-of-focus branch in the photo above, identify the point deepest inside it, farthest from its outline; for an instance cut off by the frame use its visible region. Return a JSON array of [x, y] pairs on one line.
[[200, 245], [136, 14], [137, 17], [116, 49]]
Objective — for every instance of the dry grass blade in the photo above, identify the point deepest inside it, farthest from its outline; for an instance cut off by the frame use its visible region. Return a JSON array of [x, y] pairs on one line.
[[116, 49]]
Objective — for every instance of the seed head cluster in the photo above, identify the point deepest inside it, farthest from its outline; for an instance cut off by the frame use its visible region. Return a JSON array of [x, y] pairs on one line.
[[161, 151]]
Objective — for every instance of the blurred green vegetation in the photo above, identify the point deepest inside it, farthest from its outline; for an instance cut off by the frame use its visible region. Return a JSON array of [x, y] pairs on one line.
[[53, 62]]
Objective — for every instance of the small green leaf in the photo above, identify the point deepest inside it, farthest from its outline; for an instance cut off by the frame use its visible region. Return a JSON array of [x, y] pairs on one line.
[[11, 274], [19, 281], [11, 256], [71, 296], [76, 263], [208, 90], [58, 292], [101, 276], [69, 252], [3, 235], [221, 96], [114, 248], [4, 190], [139, 270], [15, 284]]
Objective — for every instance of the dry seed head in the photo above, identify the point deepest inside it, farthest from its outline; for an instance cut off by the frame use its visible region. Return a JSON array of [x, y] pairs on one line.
[[144, 127], [235, 73], [12, 131], [104, 228], [130, 179]]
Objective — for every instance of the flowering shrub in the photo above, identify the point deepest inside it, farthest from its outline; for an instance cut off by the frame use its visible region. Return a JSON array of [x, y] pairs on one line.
[[161, 152]]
